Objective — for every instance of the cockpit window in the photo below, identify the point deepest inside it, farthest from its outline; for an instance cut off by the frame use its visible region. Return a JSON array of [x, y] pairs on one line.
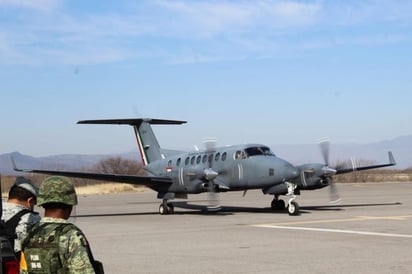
[[239, 155], [252, 151]]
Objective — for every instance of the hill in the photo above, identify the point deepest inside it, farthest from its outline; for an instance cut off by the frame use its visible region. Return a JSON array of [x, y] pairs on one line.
[[296, 154]]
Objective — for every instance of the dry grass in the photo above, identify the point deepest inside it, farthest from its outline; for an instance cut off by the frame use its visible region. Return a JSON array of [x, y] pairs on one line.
[[90, 187], [86, 188], [108, 188]]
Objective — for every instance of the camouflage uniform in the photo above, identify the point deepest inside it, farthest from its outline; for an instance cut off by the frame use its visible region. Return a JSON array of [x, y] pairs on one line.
[[73, 246], [26, 221]]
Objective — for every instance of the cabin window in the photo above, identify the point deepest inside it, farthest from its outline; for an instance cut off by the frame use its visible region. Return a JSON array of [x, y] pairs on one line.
[[204, 160], [217, 156], [192, 161], [224, 156], [187, 160], [169, 163], [198, 159], [178, 161]]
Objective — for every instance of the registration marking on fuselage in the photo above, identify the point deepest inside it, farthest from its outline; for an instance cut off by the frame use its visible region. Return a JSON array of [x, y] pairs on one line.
[[289, 226]]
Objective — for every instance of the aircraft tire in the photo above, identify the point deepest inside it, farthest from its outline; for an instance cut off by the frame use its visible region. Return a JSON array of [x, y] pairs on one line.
[[277, 205], [170, 208], [163, 210], [293, 208]]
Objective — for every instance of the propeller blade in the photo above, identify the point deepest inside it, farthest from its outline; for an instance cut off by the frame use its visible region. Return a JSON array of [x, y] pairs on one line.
[[213, 199], [210, 144], [210, 175], [325, 149], [333, 192], [328, 172]]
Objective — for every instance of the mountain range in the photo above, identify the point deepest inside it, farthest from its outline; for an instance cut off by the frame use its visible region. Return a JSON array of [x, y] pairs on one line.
[[401, 148]]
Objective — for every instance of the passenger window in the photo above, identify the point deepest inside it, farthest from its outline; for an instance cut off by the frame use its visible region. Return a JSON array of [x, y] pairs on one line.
[[199, 158], [169, 163], [204, 160], [192, 161], [178, 161], [224, 156], [187, 161], [217, 156]]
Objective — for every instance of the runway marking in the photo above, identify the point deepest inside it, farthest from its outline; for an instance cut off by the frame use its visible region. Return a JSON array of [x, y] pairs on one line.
[[354, 219], [337, 231], [287, 225]]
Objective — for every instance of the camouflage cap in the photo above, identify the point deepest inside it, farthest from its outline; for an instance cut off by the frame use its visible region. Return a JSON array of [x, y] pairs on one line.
[[57, 189], [27, 184]]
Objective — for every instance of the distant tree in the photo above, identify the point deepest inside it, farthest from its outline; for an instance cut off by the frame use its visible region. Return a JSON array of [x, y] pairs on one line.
[[119, 165], [113, 165]]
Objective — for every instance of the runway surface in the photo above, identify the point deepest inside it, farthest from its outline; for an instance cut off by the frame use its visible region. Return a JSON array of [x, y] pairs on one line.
[[370, 231]]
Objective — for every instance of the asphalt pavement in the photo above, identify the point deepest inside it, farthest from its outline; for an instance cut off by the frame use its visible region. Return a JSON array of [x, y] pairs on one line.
[[369, 231]]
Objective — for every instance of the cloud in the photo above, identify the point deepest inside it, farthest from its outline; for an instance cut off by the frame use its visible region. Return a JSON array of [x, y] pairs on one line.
[[212, 18], [178, 31], [39, 5]]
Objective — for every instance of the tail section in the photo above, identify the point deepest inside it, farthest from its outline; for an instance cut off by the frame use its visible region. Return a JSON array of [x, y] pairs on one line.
[[147, 143]]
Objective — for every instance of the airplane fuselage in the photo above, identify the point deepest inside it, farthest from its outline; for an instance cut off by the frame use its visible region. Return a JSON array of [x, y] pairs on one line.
[[240, 167]]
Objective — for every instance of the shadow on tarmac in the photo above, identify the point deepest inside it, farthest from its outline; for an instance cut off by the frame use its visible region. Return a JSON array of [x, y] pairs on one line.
[[230, 210]]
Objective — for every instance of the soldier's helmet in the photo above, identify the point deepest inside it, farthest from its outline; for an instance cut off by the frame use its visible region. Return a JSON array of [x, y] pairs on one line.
[[57, 189]]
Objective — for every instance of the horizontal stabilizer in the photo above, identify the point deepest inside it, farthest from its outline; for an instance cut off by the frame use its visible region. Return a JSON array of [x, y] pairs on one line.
[[132, 122]]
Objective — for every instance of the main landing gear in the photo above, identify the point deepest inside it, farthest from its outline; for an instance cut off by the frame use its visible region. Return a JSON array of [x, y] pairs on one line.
[[166, 208], [293, 206]]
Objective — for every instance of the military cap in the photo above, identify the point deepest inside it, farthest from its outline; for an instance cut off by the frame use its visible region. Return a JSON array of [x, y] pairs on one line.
[[26, 184], [57, 189]]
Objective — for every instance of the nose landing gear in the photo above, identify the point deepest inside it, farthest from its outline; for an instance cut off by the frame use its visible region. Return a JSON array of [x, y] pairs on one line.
[[293, 206]]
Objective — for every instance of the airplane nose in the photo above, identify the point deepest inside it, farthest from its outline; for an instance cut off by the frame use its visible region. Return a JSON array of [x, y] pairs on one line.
[[291, 171]]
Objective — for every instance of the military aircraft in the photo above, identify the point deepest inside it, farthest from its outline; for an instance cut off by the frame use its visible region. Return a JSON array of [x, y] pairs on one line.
[[214, 169]]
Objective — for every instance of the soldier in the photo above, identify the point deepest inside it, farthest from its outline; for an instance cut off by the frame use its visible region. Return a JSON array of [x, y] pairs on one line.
[[18, 211], [54, 245]]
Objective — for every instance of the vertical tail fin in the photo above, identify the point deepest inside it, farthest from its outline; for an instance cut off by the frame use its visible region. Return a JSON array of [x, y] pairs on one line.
[[147, 143]]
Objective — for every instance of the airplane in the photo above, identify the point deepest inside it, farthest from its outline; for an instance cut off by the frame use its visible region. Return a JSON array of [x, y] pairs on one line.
[[215, 169]]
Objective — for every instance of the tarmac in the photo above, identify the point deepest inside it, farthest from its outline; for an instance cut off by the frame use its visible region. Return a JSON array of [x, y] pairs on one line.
[[369, 231]]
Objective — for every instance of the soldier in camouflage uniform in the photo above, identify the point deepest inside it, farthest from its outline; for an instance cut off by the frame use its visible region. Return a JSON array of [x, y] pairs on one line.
[[22, 197], [55, 245]]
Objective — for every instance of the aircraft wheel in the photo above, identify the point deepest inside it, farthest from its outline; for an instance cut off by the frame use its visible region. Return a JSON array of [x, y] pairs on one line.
[[277, 204], [293, 208], [171, 208], [163, 210]]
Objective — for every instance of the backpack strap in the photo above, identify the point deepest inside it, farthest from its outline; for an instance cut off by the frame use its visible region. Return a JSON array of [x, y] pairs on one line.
[[12, 223]]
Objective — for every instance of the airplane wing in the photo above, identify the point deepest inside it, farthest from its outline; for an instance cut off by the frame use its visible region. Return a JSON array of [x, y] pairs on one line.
[[157, 183], [392, 162]]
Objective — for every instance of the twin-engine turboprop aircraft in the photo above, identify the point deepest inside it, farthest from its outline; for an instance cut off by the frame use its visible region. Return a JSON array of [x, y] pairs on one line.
[[229, 168]]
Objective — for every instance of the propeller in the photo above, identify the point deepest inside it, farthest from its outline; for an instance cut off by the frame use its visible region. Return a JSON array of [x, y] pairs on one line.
[[210, 175], [328, 172]]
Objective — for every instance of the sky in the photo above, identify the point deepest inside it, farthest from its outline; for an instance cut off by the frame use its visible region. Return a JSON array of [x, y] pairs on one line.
[[270, 72]]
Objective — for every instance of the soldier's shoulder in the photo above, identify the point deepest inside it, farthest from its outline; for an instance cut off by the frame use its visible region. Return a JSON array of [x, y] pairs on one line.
[[72, 230], [10, 209], [31, 217]]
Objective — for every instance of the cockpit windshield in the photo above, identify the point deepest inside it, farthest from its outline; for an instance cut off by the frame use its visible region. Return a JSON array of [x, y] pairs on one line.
[[252, 151]]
